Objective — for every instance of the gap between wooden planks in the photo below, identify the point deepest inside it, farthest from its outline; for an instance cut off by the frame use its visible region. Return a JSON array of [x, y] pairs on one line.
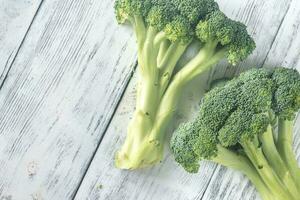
[[16, 19]]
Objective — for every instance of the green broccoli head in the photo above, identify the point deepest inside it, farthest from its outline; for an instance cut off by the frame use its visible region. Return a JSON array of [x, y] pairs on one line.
[[238, 111], [229, 34], [195, 10], [179, 29], [125, 9], [286, 100], [178, 18], [159, 13], [242, 126], [122, 10], [182, 146], [184, 20]]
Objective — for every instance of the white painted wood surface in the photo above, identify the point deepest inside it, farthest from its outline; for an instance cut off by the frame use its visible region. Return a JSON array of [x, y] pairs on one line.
[[59, 96], [16, 17], [65, 84]]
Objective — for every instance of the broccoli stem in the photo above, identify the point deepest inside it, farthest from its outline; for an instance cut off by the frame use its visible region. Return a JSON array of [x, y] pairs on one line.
[[285, 147], [147, 99], [144, 140], [138, 149], [266, 172], [271, 153], [241, 163], [140, 30], [158, 94], [162, 51], [149, 54], [168, 64], [168, 57], [169, 101], [201, 63], [159, 38]]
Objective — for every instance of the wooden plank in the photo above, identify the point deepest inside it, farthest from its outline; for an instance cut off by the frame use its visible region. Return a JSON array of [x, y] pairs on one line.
[[167, 180], [285, 51], [59, 96], [16, 17]]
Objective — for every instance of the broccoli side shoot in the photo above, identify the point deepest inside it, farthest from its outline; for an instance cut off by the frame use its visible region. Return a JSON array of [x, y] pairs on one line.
[[236, 127], [164, 31]]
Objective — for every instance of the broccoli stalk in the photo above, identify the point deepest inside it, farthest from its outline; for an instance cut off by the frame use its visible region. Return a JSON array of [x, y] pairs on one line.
[[236, 128], [265, 170], [285, 148], [164, 31], [241, 163]]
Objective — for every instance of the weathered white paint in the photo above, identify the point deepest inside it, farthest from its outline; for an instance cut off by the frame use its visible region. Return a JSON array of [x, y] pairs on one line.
[[167, 180], [59, 96], [15, 17]]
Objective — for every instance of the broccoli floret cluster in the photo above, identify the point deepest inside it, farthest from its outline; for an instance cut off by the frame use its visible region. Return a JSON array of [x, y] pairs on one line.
[[185, 20], [238, 119]]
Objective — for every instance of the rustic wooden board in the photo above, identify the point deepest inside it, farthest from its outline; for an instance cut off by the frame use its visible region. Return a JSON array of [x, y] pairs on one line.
[[59, 96], [167, 180], [285, 51], [16, 17]]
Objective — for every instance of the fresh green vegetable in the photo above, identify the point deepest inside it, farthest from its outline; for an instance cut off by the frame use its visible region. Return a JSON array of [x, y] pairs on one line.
[[236, 128], [164, 30]]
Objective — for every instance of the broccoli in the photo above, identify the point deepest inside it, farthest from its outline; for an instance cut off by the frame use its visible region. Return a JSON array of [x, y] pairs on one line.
[[236, 127], [164, 31]]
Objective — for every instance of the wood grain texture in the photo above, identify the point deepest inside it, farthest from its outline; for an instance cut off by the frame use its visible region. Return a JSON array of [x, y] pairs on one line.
[[16, 17], [59, 96], [285, 51], [167, 180]]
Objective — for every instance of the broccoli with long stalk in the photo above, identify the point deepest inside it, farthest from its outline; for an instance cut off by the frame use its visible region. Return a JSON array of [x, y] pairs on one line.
[[164, 30], [236, 127]]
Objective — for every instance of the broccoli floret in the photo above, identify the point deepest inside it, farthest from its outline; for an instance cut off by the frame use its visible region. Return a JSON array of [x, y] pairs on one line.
[[235, 128], [186, 155], [164, 31]]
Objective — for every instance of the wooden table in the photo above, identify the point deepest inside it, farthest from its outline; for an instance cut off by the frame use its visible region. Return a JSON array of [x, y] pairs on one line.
[[67, 90]]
